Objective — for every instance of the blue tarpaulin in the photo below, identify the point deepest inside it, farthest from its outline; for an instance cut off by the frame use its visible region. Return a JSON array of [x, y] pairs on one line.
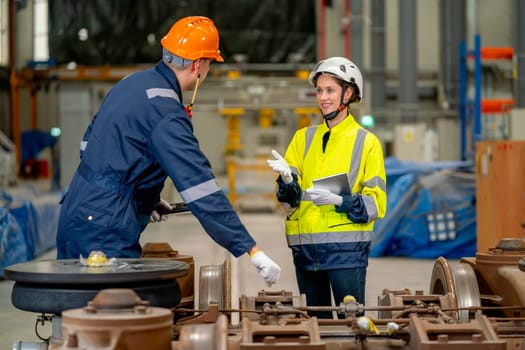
[[28, 224], [431, 211], [13, 245]]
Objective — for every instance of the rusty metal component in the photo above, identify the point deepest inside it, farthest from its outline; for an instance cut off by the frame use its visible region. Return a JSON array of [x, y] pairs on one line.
[[116, 319], [204, 336], [454, 315], [441, 280], [476, 334], [163, 250], [294, 334], [211, 315], [511, 244], [405, 302], [510, 288], [521, 264], [499, 276], [460, 281], [511, 330], [114, 300], [282, 297]]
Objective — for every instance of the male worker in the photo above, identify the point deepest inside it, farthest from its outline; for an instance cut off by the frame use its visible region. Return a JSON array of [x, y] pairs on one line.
[[142, 134]]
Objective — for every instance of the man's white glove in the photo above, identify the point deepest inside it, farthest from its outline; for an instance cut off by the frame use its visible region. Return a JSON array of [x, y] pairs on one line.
[[280, 166], [155, 215], [323, 197], [266, 267]]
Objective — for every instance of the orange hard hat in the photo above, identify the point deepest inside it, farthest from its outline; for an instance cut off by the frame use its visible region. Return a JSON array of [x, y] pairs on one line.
[[192, 38]]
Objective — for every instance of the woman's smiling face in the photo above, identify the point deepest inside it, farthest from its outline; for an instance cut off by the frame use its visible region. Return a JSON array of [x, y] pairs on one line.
[[328, 92]]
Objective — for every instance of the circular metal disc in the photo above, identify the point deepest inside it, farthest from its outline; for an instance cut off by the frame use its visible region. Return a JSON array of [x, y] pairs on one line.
[[212, 336], [441, 281], [461, 281], [211, 286], [72, 272], [466, 290]]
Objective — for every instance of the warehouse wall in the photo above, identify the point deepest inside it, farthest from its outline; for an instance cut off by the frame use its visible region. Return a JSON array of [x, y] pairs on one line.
[[427, 22], [492, 19]]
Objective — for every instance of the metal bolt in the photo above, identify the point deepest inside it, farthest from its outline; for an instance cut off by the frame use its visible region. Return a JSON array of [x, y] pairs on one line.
[[270, 339], [442, 338], [72, 340], [477, 338], [141, 309], [304, 339]]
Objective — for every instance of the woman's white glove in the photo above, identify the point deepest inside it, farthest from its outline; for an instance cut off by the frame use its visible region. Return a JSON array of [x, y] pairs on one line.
[[280, 166], [323, 197], [266, 267], [155, 215]]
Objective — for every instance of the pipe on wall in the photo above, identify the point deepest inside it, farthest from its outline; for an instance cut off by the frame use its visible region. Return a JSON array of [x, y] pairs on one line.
[[14, 85], [346, 29], [356, 34], [408, 94], [519, 54], [452, 23], [378, 69], [321, 29]]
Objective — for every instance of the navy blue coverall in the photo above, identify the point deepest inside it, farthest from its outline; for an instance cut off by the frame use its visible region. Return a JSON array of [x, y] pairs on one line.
[[141, 135]]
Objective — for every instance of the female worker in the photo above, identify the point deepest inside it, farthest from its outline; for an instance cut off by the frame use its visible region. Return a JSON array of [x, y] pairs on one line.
[[330, 233]]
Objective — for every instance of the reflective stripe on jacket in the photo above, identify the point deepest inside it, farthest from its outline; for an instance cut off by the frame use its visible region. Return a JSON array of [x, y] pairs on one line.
[[320, 237]]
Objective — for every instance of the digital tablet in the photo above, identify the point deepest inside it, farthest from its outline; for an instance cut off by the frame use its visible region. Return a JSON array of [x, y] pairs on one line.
[[334, 183]]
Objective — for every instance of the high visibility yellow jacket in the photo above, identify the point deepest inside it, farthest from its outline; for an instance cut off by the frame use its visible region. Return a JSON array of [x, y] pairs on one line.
[[327, 236]]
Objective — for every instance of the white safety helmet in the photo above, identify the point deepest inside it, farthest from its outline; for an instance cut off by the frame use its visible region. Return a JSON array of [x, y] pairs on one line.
[[342, 69]]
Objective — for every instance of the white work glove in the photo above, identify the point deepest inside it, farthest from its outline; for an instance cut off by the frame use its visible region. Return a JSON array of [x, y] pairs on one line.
[[266, 267], [323, 197], [155, 216], [280, 166]]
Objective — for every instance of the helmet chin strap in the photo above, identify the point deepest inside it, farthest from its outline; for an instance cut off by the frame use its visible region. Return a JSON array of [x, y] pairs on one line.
[[339, 109], [335, 113]]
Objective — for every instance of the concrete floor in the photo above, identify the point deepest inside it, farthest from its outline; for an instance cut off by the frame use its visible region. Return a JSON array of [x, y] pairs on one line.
[[185, 234]]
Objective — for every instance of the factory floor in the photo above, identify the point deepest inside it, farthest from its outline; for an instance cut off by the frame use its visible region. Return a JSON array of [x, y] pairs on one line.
[[184, 233]]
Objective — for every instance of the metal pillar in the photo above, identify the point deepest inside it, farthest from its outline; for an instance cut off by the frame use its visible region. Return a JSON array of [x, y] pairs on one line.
[[408, 94], [470, 111], [452, 30], [477, 88], [378, 76], [356, 34], [463, 111], [519, 52]]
